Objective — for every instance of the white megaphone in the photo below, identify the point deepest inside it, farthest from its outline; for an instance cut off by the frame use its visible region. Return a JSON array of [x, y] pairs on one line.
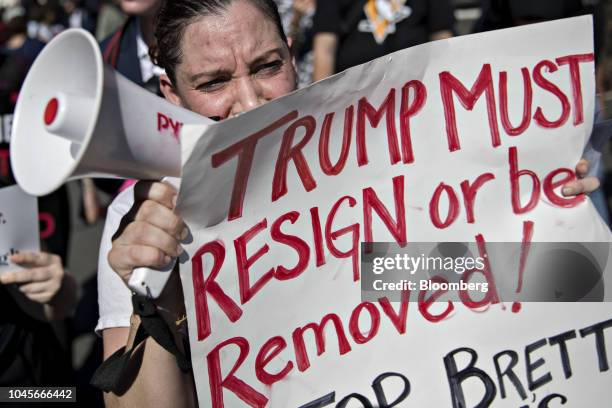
[[76, 117]]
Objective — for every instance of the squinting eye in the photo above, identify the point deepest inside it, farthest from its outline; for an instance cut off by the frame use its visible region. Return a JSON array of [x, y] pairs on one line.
[[269, 68], [211, 86]]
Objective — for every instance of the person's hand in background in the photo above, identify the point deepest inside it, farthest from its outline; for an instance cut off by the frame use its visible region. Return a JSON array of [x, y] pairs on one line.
[[583, 184], [43, 280]]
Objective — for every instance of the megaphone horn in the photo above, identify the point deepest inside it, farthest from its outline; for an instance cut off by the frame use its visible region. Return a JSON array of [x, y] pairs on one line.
[[76, 117]]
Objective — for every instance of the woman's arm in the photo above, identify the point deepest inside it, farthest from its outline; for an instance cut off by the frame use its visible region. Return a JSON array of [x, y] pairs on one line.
[[325, 46], [152, 378], [149, 236]]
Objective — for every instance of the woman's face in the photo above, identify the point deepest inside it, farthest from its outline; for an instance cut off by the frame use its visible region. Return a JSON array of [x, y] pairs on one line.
[[231, 63]]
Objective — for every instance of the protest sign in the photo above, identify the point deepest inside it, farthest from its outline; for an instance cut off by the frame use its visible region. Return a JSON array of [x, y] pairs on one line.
[[18, 225], [467, 139]]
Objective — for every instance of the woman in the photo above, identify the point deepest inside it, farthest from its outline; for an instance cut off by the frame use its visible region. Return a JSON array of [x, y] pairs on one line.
[[239, 58], [222, 57]]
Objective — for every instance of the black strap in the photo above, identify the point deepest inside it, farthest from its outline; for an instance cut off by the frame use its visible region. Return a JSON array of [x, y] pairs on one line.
[[107, 376], [157, 328]]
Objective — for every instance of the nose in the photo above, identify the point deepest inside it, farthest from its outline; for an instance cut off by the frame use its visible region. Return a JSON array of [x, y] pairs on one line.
[[248, 96]]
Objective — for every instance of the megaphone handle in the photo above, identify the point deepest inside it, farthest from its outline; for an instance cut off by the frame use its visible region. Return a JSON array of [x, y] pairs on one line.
[[150, 282]]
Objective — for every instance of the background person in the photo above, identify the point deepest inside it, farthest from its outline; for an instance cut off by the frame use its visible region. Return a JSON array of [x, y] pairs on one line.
[[499, 14], [34, 302], [352, 32], [16, 57], [127, 51]]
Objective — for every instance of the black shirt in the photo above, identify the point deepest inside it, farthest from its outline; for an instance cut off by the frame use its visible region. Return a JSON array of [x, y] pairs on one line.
[[413, 25], [30, 352]]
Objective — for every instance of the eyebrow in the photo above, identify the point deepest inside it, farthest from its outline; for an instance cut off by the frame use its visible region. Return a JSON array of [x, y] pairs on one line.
[[219, 72]]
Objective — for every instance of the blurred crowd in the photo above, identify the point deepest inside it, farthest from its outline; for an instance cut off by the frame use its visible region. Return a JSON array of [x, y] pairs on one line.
[[327, 36]]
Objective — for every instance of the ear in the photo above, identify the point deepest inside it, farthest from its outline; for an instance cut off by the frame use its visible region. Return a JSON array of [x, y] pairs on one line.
[[169, 91]]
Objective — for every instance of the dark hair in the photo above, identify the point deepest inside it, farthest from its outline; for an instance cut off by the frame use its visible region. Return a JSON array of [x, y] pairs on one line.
[[175, 15]]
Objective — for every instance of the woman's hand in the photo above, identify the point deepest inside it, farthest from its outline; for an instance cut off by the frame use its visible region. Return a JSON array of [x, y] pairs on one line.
[[582, 185], [150, 233], [42, 278]]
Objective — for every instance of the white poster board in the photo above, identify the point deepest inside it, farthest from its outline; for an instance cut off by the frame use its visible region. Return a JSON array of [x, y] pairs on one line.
[[18, 225], [279, 198]]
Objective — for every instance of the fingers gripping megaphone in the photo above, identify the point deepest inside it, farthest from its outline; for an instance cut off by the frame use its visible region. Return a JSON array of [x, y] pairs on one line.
[[76, 117]]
